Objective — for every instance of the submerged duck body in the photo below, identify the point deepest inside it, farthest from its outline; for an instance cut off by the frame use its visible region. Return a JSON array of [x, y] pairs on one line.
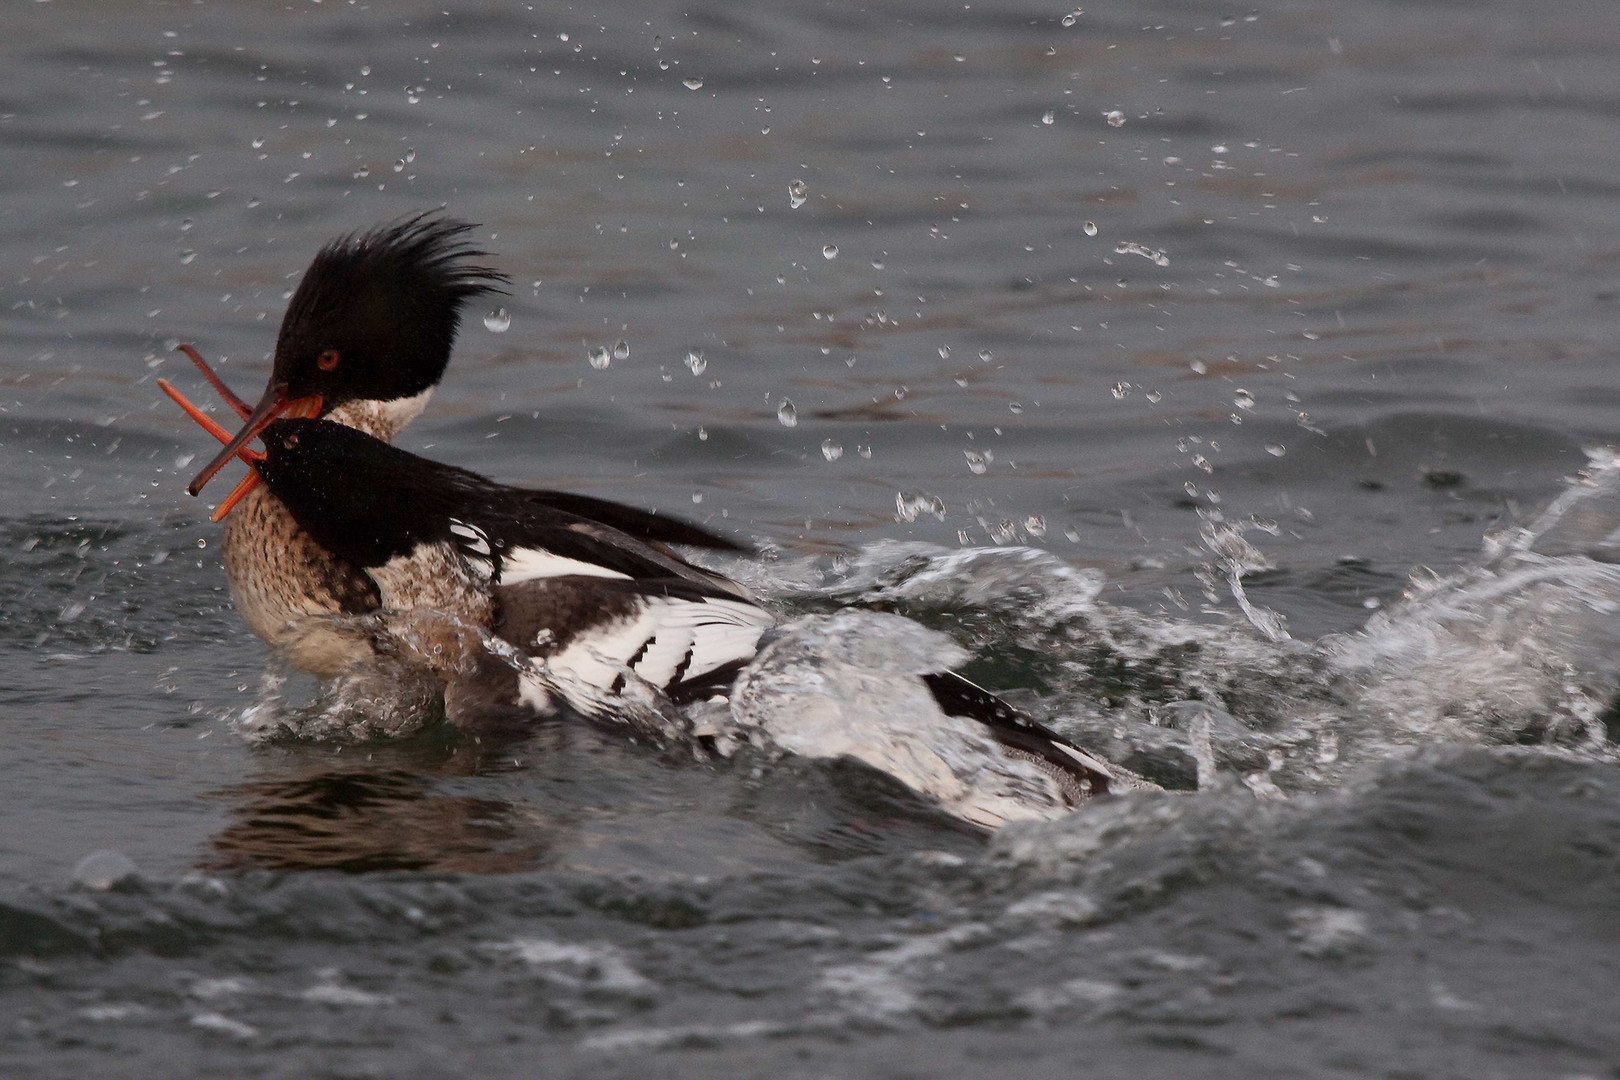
[[486, 578]]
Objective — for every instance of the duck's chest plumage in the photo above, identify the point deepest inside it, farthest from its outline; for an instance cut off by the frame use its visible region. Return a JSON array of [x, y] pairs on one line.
[[282, 582]]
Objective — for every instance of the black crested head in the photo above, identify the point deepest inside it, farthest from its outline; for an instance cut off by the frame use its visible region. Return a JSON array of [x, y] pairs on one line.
[[360, 498], [377, 312]]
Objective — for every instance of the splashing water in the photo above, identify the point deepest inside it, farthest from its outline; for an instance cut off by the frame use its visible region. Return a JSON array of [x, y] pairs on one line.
[[1127, 247], [1519, 648]]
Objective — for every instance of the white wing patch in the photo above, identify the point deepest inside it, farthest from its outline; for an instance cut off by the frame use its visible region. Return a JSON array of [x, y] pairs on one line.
[[473, 542], [528, 564], [476, 541], [666, 641]]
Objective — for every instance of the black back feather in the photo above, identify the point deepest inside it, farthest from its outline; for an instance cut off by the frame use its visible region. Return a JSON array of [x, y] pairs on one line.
[[368, 502]]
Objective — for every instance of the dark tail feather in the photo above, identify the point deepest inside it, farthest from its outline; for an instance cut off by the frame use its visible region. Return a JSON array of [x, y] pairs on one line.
[[641, 524], [1081, 775]]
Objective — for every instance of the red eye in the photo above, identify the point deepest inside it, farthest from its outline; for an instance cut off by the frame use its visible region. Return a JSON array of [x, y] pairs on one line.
[[327, 360]]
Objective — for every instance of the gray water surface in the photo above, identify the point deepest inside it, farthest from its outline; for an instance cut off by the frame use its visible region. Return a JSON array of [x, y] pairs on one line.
[[1317, 297]]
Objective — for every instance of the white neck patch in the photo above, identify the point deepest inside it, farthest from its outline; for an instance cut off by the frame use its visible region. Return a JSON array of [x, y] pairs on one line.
[[382, 419]]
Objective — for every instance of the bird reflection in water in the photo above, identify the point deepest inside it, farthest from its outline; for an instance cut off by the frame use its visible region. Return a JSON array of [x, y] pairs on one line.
[[360, 809]]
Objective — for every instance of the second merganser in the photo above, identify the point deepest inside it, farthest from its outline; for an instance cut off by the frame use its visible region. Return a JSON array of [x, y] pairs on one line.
[[477, 571]]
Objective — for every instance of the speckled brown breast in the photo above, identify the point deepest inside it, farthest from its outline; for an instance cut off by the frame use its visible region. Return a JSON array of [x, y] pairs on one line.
[[279, 578], [283, 582]]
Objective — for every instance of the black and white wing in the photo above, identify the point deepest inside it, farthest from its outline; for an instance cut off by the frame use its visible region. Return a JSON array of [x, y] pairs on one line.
[[596, 634], [1078, 773]]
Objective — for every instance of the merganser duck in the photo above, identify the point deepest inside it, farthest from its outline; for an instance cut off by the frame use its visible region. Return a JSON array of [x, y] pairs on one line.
[[480, 574], [365, 339]]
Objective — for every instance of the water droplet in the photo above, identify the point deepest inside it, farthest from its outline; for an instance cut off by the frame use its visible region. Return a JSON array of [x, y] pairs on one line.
[[975, 462], [692, 84], [1190, 488], [697, 496], [1035, 525], [877, 264], [1115, 118], [186, 257], [907, 507], [399, 166], [831, 451], [1071, 534], [1091, 228], [562, 36], [202, 542], [186, 224], [864, 451], [985, 356], [1276, 449], [1242, 399], [658, 42], [258, 143], [1198, 367], [498, 321], [104, 870], [798, 192], [663, 65], [786, 414], [410, 156], [1130, 247], [695, 361], [621, 350], [1202, 462], [1154, 397], [1016, 408], [830, 251], [1049, 117], [1120, 389], [703, 434], [1073, 17], [944, 352], [599, 357]]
